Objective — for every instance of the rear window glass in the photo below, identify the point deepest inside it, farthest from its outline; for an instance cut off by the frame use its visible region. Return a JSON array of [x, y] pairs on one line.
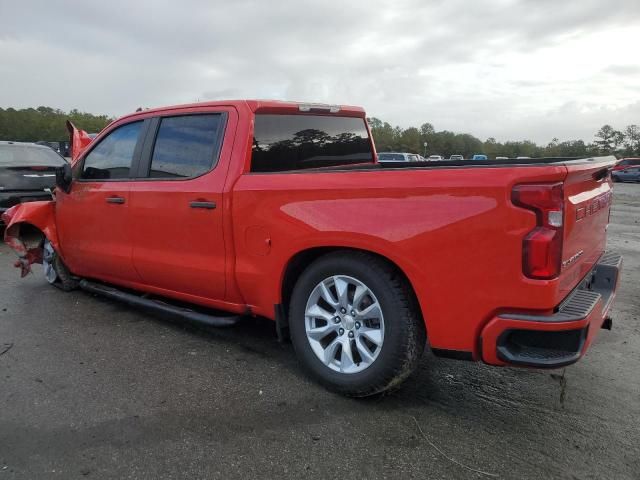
[[186, 146], [297, 142], [629, 162], [28, 156]]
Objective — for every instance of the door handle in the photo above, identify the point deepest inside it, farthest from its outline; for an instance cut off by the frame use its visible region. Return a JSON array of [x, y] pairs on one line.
[[207, 205], [115, 200]]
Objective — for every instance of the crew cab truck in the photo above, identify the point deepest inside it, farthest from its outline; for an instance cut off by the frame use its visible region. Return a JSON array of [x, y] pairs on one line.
[[280, 210]]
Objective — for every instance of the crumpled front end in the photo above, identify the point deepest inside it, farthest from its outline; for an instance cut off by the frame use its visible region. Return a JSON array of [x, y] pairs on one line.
[[27, 226]]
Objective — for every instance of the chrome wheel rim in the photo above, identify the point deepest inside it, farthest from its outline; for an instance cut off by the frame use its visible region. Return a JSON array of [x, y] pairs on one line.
[[47, 262], [344, 324]]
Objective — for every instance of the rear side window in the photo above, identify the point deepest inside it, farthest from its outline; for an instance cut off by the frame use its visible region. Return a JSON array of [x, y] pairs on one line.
[[112, 157], [298, 142], [186, 146], [629, 162], [16, 155]]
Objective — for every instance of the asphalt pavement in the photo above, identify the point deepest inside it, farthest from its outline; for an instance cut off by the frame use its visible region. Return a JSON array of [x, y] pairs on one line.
[[90, 388]]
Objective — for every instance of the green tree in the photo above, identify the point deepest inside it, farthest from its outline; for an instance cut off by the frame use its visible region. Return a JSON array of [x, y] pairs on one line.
[[632, 139], [45, 123], [608, 139]]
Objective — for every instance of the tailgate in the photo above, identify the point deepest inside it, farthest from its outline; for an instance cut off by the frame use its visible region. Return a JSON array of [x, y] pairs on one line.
[[588, 195]]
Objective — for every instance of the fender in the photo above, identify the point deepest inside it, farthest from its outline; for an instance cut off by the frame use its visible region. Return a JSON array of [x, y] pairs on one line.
[[40, 215]]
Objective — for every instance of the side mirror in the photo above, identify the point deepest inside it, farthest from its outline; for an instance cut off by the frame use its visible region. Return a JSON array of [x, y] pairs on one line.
[[64, 178]]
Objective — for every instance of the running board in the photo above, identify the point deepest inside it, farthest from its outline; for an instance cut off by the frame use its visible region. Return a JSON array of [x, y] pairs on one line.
[[191, 316]]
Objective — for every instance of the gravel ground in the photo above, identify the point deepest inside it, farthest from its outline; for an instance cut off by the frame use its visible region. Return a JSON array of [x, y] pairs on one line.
[[90, 388]]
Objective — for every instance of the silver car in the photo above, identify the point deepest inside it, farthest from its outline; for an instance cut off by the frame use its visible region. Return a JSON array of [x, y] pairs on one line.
[[397, 157]]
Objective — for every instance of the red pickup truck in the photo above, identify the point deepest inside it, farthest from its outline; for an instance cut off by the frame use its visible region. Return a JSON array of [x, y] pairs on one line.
[[280, 210]]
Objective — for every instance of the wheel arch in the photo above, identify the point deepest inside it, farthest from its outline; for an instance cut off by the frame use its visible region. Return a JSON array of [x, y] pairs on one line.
[[27, 225], [300, 261]]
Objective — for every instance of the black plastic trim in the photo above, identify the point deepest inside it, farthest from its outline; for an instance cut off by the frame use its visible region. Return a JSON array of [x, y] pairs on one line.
[[192, 316], [282, 323], [542, 355], [205, 205], [453, 354]]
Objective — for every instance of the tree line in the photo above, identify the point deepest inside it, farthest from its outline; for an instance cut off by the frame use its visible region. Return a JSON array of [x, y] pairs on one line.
[[46, 123], [607, 141]]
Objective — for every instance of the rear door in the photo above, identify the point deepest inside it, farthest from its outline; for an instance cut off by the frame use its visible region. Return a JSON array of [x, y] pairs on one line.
[[177, 203], [93, 218]]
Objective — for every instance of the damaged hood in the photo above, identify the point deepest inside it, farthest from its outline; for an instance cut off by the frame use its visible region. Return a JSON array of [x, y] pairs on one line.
[[78, 140]]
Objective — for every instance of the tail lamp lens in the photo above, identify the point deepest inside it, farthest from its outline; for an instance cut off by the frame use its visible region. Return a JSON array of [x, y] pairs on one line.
[[542, 246]]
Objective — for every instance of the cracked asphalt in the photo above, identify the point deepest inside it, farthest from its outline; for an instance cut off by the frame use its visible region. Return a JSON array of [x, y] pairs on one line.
[[90, 388]]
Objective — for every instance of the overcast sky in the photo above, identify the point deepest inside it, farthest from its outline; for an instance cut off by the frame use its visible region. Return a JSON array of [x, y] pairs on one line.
[[528, 69]]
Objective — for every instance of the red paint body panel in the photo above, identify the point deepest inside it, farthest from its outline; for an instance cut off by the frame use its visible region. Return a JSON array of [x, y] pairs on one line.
[[40, 214], [456, 237], [79, 140], [454, 232], [95, 236]]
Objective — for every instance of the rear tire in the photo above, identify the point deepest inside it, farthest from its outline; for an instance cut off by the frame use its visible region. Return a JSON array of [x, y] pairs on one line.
[[365, 341], [55, 271]]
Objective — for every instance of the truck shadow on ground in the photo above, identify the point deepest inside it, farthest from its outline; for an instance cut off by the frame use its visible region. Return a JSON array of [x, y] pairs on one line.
[[447, 384]]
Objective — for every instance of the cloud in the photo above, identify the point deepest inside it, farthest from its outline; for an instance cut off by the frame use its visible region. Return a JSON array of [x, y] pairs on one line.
[[502, 68]]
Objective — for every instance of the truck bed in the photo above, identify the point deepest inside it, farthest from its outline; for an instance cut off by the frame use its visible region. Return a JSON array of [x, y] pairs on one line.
[[511, 162]]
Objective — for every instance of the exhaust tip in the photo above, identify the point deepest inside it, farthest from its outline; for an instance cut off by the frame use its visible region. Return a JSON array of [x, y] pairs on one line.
[[607, 324]]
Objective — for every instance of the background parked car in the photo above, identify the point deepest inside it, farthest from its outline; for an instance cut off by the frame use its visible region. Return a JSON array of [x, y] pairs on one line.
[[398, 157], [27, 170], [479, 156], [456, 157], [435, 158], [629, 174], [626, 162], [502, 158]]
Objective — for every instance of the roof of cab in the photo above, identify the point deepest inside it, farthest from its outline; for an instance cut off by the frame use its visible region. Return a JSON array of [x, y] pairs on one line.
[[263, 106]]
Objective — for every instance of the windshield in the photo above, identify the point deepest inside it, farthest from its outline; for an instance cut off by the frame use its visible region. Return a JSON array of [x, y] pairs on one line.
[[13, 155]]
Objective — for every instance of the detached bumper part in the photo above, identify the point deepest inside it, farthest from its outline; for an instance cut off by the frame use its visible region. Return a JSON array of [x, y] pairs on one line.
[[552, 341]]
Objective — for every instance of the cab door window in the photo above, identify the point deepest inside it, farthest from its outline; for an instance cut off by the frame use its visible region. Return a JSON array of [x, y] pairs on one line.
[[187, 146], [111, 159]]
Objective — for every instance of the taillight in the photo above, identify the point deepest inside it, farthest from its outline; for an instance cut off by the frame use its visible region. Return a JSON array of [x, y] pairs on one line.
[[542, 246]]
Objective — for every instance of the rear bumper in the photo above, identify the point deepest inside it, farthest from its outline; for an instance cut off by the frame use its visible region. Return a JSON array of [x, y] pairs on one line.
[[559, 339]]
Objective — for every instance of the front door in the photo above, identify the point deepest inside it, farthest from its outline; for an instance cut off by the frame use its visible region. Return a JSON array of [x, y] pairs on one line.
[[93, 219], [177, 204]]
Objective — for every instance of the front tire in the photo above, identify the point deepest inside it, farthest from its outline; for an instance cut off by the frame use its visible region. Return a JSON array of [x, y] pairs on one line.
[[55, 271], [355, 324]]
